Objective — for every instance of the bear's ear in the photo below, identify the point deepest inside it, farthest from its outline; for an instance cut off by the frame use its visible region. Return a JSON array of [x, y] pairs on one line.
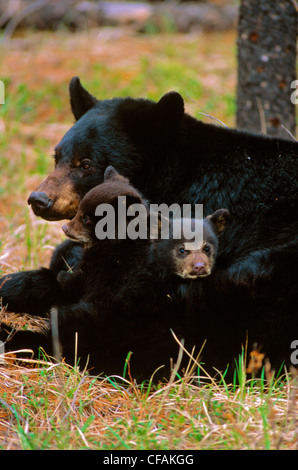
[[170, 108], [80, 99], [110, 173], [219, 220]]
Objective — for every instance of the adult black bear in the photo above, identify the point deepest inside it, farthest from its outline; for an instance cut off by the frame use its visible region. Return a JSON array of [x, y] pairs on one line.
[[173, 158]]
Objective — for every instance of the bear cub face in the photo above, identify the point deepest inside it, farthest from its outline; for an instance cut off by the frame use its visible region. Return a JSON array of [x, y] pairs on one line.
[[191, 264], [82, 227], [176, 255]]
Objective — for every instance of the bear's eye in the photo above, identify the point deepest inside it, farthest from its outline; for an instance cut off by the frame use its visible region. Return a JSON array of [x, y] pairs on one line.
[[182, 250], [85, 165], [86, 219], [206, 249]]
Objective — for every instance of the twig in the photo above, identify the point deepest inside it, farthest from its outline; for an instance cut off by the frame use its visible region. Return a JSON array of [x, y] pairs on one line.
[[174, 372], [262, 116], [12, 410], [55, 333], [290, 133], [206, 114], [13, 23]]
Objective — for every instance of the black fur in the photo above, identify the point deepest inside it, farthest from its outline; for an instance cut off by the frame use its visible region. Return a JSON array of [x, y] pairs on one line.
[[173, 158]]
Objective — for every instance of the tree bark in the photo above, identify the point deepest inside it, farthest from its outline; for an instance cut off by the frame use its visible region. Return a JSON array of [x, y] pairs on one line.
[[267, 36]]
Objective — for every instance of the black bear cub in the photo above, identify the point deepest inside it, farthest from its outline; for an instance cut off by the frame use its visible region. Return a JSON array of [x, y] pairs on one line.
[[199, 261], [93, 308], [98, 250], [119, 286], [176, 255]]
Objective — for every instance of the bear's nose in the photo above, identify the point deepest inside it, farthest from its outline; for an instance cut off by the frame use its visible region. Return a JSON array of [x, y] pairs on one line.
[[65, 229], [200, 268], [39, 200]]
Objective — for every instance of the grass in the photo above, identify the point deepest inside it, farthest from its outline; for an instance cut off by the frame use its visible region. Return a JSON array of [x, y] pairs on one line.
[[48, 405], [54, 406]]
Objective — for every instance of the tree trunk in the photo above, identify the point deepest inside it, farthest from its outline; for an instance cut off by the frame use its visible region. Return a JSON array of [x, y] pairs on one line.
[[267, 35]]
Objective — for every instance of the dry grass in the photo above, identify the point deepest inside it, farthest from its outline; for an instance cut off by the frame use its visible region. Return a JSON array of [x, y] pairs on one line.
[[53, 406]]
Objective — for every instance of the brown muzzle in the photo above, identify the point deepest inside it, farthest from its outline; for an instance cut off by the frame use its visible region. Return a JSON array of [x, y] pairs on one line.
[[56, 197]]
